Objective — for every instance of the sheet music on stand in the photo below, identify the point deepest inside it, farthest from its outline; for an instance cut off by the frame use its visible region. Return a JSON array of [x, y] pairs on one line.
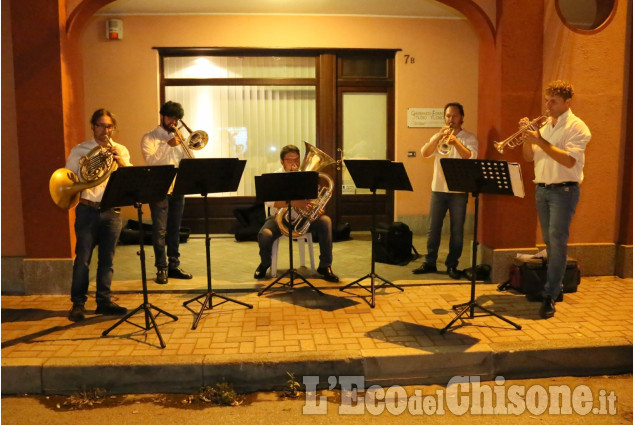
[[516, 178], [499, 177]]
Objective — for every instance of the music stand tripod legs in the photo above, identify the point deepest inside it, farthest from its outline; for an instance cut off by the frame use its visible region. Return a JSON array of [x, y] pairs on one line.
[[208, 302], [147, 308], [292, 273], [472, 304], [372, 274]]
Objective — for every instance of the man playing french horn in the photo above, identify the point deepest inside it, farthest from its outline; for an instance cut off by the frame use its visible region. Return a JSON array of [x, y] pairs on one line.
[[270, 231], [94, 226], [452, 141]]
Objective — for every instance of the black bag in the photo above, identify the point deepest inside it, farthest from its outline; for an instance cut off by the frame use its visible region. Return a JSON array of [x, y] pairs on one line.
[[250, 221], [482, 272], [529, 277], [130, 233], [392, 244]]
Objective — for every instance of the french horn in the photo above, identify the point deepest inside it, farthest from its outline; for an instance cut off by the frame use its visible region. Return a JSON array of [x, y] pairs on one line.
[[95, 168]]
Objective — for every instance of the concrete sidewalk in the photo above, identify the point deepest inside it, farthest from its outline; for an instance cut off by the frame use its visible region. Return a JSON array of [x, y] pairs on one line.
[[299, 331]]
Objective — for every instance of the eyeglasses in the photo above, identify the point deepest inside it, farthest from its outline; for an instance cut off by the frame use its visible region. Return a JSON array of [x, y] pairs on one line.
[[105, 126]]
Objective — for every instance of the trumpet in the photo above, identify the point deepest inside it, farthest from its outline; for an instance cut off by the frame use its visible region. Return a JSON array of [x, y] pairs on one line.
[[517, 138], [196, 140], [444, 147]]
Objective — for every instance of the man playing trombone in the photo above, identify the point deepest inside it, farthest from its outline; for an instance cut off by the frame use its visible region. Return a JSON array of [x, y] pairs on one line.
[[557, 151], [452, 141], [164, 146]]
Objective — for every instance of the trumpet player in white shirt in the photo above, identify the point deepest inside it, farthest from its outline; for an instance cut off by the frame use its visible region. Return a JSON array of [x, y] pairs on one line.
[[452, 141], [557, 151]]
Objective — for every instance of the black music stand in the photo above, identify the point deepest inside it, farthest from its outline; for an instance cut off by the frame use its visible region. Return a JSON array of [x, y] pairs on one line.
[[137, 186], [376, 174], [203, 176], [288, 187], [477, 176]]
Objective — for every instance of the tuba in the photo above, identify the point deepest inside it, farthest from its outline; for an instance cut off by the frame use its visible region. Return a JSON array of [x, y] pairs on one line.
[[196, 140], [314, 160], [517, 139], [95, 168]]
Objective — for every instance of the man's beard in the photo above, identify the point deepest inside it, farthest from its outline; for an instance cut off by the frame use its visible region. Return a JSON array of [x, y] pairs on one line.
[[166, 127]]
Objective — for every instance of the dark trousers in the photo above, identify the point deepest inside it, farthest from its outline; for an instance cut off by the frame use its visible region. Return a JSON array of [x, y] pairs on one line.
[[94, 228], [440, 203], [166, 225], [555, 207], [322, 226]]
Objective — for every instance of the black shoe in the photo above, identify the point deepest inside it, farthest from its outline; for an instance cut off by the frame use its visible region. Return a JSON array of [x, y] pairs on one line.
[[261, 271], [327, 274], [110, 309], [162, 276], [534, 297], [178, 273], [548, 308], [77, 313], [455, 273], [537, 297], [425, 268]]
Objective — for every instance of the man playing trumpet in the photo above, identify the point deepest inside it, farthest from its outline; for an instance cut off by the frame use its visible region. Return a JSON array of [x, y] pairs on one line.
[[94, 226], [452, 141], [557, 151]]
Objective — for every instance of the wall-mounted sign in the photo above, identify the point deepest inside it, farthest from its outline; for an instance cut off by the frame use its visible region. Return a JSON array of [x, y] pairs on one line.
[[425, 117]]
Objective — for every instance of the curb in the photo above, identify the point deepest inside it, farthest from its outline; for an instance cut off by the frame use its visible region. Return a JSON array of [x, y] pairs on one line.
[[267, 372]]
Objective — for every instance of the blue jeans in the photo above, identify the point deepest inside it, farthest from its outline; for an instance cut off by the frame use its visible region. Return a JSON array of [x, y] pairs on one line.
[[270, 231], [94, 227], [166, 225], [555, 207], [440, 203]]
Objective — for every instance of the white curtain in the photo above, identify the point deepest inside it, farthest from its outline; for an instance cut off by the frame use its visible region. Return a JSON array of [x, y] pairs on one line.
[[247, 122]]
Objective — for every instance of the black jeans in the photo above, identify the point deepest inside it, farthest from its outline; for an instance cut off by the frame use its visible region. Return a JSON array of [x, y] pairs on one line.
[[166, 225], [94, 227]]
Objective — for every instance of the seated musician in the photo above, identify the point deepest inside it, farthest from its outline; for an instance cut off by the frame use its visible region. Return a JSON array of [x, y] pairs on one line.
[[290, 160]]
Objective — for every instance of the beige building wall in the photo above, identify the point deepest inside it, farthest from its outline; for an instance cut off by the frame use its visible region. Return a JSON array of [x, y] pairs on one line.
[[123, 75]]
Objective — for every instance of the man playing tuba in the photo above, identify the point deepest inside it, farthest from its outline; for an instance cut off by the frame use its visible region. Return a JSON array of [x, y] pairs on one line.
[[270, 231]]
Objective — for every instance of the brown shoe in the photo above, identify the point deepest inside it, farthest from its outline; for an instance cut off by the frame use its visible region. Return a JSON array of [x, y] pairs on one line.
[[327, 274], [77, 313], [162, 276], [178, 273], [110, 309]]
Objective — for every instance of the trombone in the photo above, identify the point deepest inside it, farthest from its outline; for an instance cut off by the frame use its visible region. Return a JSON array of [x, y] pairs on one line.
[[196, 140]]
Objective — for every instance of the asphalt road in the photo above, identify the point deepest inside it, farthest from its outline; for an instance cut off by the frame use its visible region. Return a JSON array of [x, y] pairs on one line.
[[582, 400]]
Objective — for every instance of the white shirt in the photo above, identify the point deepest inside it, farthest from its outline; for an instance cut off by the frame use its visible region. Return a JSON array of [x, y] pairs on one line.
[[438, 178], [156, 150], [570, 134], [270, 210], [94, 193]]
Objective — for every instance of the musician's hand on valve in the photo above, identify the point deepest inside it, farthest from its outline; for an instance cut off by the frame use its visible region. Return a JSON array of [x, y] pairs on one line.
[[301, 204], [174, 142], [116, 155]]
